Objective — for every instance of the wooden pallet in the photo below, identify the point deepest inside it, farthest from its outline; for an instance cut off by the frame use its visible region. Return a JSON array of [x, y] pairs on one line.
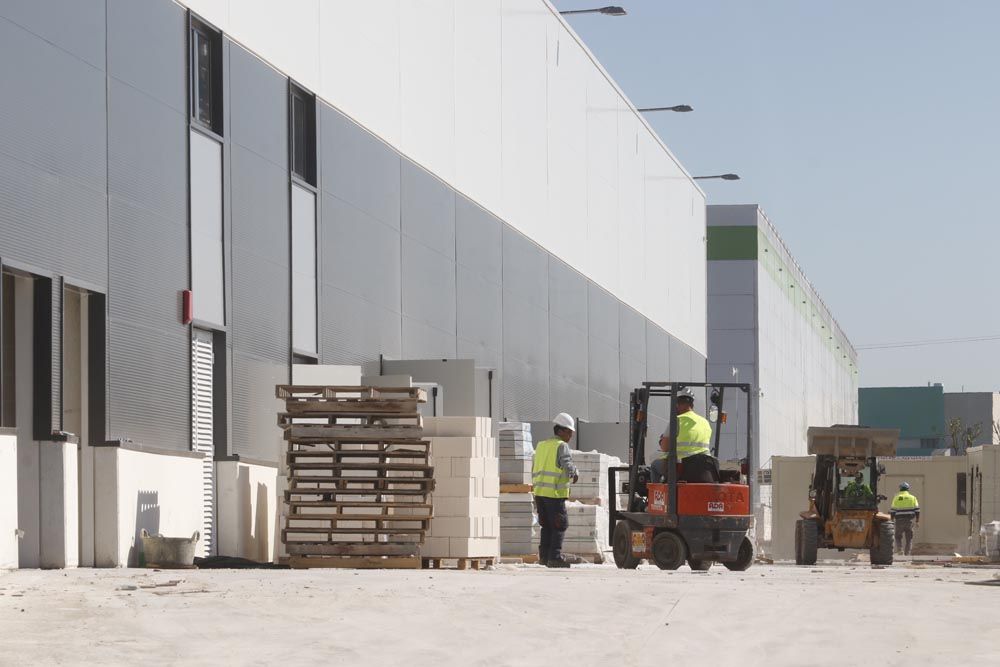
[[309, 407], [458, 563], [321, 433], [355, 562], [515, 488], [288, 392]]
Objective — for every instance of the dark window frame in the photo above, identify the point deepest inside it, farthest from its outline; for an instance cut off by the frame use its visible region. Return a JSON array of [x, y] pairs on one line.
[[962, 494], [302, 134], [205, 101]]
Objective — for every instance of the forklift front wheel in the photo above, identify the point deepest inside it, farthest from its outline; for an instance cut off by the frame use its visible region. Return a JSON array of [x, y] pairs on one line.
[[621, 546], [669, 550], [744, 559]]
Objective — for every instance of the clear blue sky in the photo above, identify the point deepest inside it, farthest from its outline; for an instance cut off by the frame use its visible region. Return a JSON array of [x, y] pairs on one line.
[[870, 134]]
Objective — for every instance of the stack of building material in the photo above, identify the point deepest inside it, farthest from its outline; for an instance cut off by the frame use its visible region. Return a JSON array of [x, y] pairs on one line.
[[518, 521], [588, 510], [466, 523], [353, 456]]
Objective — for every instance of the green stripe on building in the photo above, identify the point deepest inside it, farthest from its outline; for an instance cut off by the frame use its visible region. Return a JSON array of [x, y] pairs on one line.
[[738, 242]]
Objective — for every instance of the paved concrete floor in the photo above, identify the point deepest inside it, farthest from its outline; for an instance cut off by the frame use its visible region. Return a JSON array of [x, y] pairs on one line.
[[523, 615]]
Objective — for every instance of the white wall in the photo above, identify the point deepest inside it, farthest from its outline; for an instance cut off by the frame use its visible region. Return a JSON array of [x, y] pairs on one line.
[[8, 502], [135, 490], [500, 99], [59, 505], [247, 498]]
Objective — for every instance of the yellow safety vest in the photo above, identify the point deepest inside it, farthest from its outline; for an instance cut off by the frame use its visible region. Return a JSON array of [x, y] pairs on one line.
[[904, 501], [547, 478], [694, 435]]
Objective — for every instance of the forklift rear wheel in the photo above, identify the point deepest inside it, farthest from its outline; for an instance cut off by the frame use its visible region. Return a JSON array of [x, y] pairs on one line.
[[669, 550], [699, 565], [744, 559], [806, 542], [882, 553], [621, 545]]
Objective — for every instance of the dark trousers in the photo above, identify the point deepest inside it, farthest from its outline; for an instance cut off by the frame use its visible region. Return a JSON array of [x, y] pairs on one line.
[[553, 519]]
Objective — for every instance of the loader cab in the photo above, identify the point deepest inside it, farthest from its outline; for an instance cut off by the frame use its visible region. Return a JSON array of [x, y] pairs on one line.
[[857, 483]]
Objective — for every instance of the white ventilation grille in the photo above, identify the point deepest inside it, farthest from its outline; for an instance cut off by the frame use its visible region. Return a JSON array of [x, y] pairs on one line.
[[202, 404]]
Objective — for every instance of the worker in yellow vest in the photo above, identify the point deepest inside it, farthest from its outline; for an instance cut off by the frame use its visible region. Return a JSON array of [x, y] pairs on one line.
[[551, 472], [694, 435], [905, 511]]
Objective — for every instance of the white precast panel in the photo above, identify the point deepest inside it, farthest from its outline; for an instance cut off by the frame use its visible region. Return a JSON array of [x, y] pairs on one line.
[[500, 99]]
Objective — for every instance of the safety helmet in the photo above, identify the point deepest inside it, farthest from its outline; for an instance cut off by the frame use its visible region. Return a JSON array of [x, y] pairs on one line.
[[684, 392], [905, 486], [564, 420]]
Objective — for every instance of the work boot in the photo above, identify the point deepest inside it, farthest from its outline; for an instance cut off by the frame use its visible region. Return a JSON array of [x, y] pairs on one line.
[[557, 562]]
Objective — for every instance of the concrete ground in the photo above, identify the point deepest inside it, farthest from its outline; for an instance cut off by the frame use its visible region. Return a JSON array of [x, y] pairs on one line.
[[513, 615]]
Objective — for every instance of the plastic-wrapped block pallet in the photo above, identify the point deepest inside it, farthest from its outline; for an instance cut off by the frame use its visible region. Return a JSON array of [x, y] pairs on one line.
[[516, 451], [466, 520], [518, 524]]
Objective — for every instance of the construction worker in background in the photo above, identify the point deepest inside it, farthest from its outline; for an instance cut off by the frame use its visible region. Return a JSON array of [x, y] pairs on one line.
[[858, 490], [551, 472], [694, 435], [905, 511]]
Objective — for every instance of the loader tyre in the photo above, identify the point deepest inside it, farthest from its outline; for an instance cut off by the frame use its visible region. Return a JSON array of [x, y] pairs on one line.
[[881, 553], [744, 559], [697, 565], [806, 542], [669, 550], [621, 547]]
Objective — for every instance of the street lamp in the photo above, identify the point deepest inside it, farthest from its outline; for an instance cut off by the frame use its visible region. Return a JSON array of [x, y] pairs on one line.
[[611, 10], [723, 177], [680, 108]]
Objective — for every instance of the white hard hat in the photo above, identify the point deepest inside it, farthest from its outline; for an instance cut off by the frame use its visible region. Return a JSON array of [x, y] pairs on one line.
[[684, 392], [564, 420]]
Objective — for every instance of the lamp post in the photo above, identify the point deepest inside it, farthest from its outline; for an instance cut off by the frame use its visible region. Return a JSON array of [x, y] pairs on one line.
[[721, 177], [680, 108], [611, 10]]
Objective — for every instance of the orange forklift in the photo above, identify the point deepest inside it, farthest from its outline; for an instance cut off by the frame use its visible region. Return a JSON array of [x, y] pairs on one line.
[[677, 521]]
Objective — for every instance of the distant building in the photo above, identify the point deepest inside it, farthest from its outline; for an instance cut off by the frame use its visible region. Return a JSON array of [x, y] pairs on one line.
[[981, 407], [918, 412]]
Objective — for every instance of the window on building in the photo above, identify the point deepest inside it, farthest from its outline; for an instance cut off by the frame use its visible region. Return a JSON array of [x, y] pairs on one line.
[[302, 134], [8, 395], [930, 443], [206, 76], [207, 274], [962, 495], [304, 338]]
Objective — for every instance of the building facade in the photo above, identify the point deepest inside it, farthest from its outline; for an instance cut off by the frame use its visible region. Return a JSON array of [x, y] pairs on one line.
[[769, 328], [196, 196], [918, 413]]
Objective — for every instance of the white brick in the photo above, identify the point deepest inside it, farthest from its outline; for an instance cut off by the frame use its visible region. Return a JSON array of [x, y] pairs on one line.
[[464, 507], [472, 467], [453, 426], [473, 548], [461, 487], [435, 547], [491, 487], [456, 446]]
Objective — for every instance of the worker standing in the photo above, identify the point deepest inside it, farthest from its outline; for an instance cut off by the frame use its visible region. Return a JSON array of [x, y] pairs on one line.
[[694, 435], [905, 511], [551, 472]]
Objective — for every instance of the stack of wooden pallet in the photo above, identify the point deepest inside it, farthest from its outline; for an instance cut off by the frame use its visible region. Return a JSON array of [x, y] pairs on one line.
[[359, 476]]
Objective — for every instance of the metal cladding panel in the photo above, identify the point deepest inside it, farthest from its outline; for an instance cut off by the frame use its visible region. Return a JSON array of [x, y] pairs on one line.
[[358, 168], [603, 316], [260, 209], [603, 368], [150, 385], [354, 330], [525, 391], [479, 313], [732, 311], [568, 293], [57, 286], [147, 154], [737, 276], [428, 287], [146, 49], [567, 352], [359, 254], [74, 26], [260, 306], [699, 367], [52, 154], [428, 210], [680, 361], [631, 333], [568, 397], [602, 408], [421, 341], [633, 374], [525, 332], [255, 433], [657, 353], [737, 346], [525, 269], [258, 106], [478, 240]]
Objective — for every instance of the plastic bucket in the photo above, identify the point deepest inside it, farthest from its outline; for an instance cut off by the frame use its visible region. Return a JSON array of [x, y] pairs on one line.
[[169, 552]]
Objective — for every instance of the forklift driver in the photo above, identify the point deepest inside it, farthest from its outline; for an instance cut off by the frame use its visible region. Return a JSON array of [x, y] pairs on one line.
[[694, 434]]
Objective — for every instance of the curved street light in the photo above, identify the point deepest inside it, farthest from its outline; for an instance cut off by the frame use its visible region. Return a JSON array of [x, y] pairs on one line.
[[611, 10], [721, 177]]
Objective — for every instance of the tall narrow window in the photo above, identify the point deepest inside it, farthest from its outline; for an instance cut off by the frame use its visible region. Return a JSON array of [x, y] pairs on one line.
[[8, 395], [206, 76], [962, 495], [303, 271], [302, 134]]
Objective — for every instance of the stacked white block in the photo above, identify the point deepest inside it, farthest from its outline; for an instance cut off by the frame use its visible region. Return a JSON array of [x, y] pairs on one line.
[[593, 469], [516, 452], [587, 534], [466, 521], [518, 524]]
